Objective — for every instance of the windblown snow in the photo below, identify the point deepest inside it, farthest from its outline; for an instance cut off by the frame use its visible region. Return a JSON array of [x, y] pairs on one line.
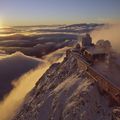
[[64, 92]]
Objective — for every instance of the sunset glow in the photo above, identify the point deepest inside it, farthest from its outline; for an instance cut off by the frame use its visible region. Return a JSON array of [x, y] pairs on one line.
[[40, 12], [59, 59], [1, 24]]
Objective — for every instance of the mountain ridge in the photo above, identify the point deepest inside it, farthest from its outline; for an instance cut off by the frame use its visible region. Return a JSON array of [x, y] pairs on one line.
[[64, 92]]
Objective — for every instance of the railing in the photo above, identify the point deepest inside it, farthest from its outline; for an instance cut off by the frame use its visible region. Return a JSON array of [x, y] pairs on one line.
[[103, 83]]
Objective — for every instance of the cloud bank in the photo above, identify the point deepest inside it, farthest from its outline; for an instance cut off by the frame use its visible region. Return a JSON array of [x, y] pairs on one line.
[[110, 32], [10, 105]]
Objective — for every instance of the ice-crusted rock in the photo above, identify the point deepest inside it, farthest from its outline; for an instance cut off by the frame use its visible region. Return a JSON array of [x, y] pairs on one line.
[[64, 92]]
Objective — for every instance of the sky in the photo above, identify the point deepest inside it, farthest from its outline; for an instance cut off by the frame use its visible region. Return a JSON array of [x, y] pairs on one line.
[[41, 12]]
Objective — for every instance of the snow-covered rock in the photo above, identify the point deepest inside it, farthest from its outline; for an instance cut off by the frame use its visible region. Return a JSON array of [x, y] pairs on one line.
[[64, 92]]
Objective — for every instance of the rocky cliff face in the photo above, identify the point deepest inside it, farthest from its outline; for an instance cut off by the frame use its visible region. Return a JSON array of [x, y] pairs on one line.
[[64, 92]]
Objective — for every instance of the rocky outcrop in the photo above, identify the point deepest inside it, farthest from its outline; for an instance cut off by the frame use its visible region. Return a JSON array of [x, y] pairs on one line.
[[64, 92]]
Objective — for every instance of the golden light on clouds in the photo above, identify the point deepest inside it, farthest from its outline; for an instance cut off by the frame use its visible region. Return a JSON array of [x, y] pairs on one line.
[[25, 83]]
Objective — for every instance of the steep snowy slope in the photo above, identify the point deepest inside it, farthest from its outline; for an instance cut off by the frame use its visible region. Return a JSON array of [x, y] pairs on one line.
[[64, 92]]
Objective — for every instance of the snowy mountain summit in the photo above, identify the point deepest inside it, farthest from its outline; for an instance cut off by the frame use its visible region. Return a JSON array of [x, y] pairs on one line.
[[64, 92]]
